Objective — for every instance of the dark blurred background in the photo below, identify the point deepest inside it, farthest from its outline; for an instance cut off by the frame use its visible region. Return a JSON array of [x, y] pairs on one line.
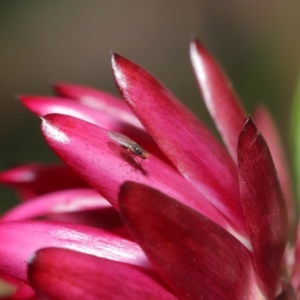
[[41, 42]]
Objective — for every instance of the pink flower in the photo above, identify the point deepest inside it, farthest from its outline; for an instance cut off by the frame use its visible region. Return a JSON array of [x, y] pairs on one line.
[[204, 222]]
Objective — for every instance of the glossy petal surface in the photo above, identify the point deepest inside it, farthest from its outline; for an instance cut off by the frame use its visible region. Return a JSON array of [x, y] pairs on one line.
[[198, 258], [98, 100], [219, 97], [197, 155], [19, 240], [105, 165], [57, 274], [36, 179], [41, 106], [264, 206], [57, 202], [267, 127]]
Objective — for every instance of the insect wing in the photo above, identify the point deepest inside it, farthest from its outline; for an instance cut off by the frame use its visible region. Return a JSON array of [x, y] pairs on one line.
[[121, 139], [127, 143]]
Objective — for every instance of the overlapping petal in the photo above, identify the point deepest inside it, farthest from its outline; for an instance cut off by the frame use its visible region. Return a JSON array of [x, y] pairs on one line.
[[267, 127], [19, 240], [32, 180], [264, 206], [105, 165], [187, 143], [57, 274], [42, 106], [219, 96], [198, 258], [57, 202], [98, 100]]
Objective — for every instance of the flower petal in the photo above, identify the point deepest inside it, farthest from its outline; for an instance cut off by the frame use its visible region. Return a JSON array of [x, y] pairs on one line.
[[198, 258], [57, 202], [42, 105], [107, 219], [98, 100], [80, 206], [32, 180], [220, 99], [65, 274], [105, 165], [195, 152], [264, 207], [20, 239], [267, 127]]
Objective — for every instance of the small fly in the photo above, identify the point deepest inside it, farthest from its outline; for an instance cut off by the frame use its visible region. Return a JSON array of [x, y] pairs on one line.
[[128, 144]]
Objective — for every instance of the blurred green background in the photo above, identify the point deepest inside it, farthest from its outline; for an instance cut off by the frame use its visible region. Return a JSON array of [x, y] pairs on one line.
[[257, 43]]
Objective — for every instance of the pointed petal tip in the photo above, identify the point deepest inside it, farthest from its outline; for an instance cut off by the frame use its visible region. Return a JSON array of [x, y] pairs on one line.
[[195, 41], [62, 88], [29, 101], [115, 55], [248, 126], [115, 59], [50, 117], [118, 59], [197, 46], [51, 132], [248, 120], [40, 105], [44, 120]]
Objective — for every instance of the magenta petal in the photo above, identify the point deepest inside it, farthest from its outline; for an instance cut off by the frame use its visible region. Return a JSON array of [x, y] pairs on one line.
[[105, 165], [65, 274], [57, 202], [107, 218], [263, 204], [98, 100], [220, 99], [267, 127], [42, 105], [195, 152], [19, 240], [36, 179], [196, 257]]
